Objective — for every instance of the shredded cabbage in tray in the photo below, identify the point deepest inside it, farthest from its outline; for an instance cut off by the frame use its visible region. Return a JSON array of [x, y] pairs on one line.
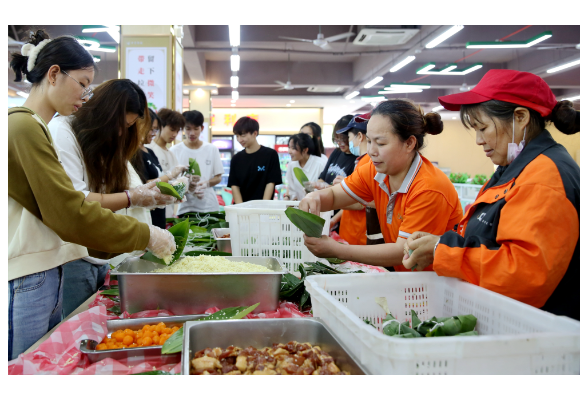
[[210, 264]]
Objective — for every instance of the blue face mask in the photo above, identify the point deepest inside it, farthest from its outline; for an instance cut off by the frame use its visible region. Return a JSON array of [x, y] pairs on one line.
[[353, 149]]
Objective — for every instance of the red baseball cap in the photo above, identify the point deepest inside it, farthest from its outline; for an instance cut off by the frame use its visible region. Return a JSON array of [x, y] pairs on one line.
[[522, 88]]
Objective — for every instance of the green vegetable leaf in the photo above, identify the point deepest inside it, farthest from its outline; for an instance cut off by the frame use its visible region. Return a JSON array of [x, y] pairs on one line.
[[300, 175], [312, 225], [180, 232]]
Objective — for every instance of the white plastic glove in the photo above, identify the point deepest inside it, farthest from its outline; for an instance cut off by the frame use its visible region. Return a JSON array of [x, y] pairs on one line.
[[320, 185], [175, 172], [182, 179], [194, 179], [149, 196], [200, 188], [161, 243]]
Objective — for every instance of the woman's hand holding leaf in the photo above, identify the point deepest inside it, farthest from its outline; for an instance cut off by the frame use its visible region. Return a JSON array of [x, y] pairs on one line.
[[311, 203], [149, 196], [161, 242], [323, 247]]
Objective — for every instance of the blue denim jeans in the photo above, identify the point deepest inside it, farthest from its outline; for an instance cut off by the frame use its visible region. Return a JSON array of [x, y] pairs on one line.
[[34, 308], [81, 280]]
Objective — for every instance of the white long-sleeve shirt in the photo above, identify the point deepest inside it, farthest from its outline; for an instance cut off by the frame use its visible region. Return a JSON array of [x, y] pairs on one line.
[[73, 163]]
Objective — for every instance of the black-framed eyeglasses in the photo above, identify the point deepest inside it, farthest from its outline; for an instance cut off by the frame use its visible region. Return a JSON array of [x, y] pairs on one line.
[[88, 92]]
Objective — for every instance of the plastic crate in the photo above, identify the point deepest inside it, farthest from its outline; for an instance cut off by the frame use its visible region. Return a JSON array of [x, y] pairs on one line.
[[260, 228], [515, 338]]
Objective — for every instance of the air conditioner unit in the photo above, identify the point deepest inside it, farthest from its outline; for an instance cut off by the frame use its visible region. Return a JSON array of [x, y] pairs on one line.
[[326, 89], [384, 37]]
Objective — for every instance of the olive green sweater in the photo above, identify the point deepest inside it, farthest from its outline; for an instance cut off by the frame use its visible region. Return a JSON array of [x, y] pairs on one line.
[[39, 190]]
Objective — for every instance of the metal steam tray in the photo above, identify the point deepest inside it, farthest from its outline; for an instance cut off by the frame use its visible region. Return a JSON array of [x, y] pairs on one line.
[[135, 355], [188, 293], [260, 333]]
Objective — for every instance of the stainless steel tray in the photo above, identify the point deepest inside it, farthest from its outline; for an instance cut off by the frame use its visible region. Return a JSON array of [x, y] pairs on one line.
[[260, 333], [185, 294], [222, 244], [135, 355]]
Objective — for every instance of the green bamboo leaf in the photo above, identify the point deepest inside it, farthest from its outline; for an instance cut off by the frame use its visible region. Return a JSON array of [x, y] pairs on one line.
[[174, 343], [166, 188], [115, 309], [197, 229], [470, 333], [468, 322], [415, 319], [246, 311], [222, 224], [335, 260], [110, 292], [196, 253], [193, 167], [180, 232], [300, 175], [154, 373], [312, 225]]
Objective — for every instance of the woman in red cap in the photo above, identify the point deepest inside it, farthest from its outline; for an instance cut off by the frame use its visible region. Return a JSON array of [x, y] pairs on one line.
[[521, 236], [410, 193]]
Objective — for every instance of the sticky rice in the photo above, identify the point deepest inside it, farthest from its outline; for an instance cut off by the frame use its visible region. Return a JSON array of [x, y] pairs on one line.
[[210, 265]]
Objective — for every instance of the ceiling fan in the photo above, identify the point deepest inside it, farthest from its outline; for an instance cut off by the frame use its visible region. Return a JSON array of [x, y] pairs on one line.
[[321, 41], [288, 85]]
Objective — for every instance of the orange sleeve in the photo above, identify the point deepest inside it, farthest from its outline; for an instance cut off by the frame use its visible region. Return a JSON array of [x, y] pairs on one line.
[[535, 242], [358, 184], [428, 212]]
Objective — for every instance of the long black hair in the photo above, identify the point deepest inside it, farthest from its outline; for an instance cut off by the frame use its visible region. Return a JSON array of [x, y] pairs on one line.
[[303, 141], [316, 135], [64, 51]]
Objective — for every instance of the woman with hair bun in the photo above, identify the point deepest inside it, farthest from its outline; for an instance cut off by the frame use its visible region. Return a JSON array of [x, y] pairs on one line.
[[49, 221], [521, 237], [408, 191]]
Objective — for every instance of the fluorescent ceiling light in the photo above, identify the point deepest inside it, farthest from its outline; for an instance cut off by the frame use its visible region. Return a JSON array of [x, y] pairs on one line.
[[450, 69], [106, 49], [96, 58], [444, 36], [186, 91], [402, 63], [288, 105], [235, 61], [351, 95], [574, 98], [88, 43], [398, 86], [112, 30], [235, 35], [510, 44], [565, 66], [233, 101], [438, 108], [233, 105], [292, 101], [373, 82], [234, 82], [373, 98], [235, 95], [394, 91], [23, 94]]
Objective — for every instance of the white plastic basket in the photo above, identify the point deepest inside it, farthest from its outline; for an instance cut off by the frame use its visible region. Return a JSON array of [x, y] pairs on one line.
[[260, 228], [515, 338]]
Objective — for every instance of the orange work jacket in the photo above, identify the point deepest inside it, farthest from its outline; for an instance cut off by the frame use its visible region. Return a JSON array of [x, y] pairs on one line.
[[521, 236]]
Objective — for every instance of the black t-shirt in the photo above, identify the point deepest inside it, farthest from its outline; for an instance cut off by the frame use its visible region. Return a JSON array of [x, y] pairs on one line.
[[339, 163], [152, 170], [252, 172]]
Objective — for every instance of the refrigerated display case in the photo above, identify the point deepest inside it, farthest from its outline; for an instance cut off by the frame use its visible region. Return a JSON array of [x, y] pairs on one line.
[[225, 148], [281, 147]]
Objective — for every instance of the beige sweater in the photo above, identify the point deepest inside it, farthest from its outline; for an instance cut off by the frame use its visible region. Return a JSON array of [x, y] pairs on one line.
[[45, 212]]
